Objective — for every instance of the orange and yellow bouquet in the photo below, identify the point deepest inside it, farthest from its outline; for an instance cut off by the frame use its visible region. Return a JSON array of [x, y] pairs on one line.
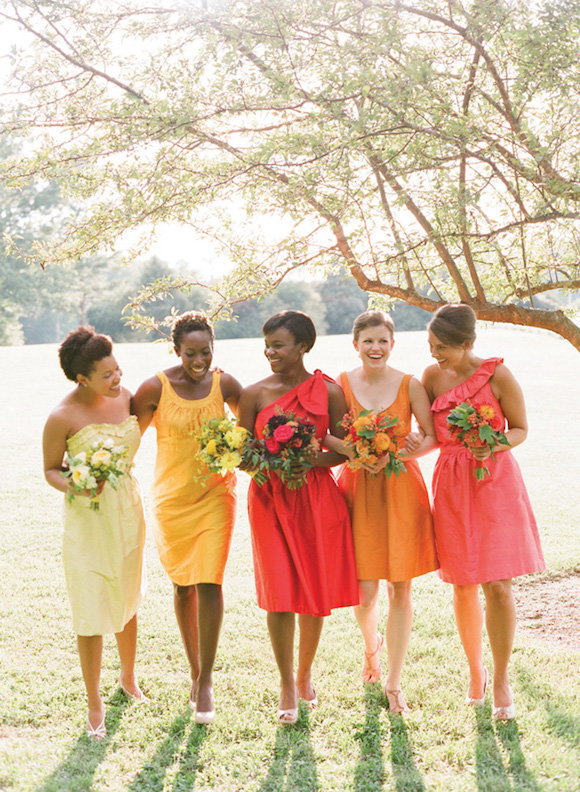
[[289, 441], [477, 427], [369, 436]]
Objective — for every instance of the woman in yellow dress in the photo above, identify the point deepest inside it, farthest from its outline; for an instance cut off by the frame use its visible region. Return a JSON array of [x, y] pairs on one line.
[[193, 513], [102, 550]]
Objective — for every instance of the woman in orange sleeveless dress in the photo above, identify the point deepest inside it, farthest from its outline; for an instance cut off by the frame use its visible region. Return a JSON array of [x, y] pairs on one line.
[[486, 532], [391, 516], [193, 518]]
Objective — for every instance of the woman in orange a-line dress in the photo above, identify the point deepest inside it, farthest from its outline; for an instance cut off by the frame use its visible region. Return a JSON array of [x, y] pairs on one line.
[[485, 530], [390, 515], [193, 514]]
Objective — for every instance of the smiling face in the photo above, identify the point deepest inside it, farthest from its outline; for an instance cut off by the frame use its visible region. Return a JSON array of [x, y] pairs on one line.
[[196, 353], [282, 351], [104, 378], [447, 356], [374, 345]]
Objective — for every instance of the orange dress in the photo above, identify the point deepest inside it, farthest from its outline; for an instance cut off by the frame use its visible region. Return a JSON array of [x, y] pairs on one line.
[[390, 515], [193, 520]]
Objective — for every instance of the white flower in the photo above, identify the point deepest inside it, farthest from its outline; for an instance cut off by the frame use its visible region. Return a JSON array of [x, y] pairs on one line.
[[81, 475], [101, 458]]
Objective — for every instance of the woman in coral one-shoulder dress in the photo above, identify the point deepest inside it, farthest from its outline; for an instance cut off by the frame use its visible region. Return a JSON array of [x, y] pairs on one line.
[[485, 530], [301, 538]]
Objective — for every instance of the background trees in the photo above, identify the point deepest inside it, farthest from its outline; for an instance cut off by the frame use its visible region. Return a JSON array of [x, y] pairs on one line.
[[431, 147]]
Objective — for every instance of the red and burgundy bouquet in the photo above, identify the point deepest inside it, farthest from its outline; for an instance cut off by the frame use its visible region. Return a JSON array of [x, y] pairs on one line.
[[477, 427], [371, 435], [289, 441]]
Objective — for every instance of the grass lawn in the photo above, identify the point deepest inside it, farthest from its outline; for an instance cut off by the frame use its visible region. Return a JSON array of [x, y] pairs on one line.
[[350, 742]]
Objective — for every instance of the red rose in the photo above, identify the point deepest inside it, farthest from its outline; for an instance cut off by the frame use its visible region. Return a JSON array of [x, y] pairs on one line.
[[283, 433], [272, 445]]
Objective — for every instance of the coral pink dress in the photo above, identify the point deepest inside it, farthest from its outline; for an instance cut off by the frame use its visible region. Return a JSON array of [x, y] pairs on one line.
[[390, 515], [485, 530], [301, 539]]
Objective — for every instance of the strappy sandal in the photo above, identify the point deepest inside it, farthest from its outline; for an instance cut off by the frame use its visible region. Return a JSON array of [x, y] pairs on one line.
[[96, 733], [370, 674], [397, 703]]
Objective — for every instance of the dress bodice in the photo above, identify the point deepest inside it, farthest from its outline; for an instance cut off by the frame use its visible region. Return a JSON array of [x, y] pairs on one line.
[[309, 399], [477, 390], [125, 433]]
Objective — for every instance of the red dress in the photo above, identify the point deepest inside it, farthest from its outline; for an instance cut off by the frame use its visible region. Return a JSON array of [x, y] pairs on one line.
[[485, 530], [301, 539]]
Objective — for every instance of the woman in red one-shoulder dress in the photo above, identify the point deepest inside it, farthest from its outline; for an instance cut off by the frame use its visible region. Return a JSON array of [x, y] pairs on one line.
[[485, 530], [301, 538]]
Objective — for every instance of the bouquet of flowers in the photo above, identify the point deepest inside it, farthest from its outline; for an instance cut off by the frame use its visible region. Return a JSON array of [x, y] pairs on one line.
[[104, 461], [289, 440], [369, 436], [222, 445], [477, 427]]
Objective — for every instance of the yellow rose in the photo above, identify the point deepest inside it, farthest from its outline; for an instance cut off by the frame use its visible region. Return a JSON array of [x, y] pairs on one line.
[[230, 460], [211, 448], [236, 437]]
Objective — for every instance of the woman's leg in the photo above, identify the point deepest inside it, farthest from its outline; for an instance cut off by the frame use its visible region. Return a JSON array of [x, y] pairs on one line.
[[281, 628], [367, 616], [127, 646], [310, 631], [500, 621], [469, 619], [210, 610], [185, 604], [90, 652], [399, 623]]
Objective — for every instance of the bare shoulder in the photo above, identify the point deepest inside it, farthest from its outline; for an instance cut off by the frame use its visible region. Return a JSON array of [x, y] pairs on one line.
[[229, 383], [60, 420], [503, 381], [332, 387], [151, 386]]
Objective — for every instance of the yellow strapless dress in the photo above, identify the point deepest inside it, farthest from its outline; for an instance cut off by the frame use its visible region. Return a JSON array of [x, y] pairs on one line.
[[103, 550], [193, 521]]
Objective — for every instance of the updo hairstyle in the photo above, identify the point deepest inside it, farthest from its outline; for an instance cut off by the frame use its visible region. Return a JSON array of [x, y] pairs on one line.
[[372, 319], [453, 325], [188, 323], [296, 322], [81, 349]]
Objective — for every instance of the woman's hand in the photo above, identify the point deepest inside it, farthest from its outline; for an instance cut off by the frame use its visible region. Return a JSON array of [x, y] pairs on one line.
[[480, 452], [413, 442]]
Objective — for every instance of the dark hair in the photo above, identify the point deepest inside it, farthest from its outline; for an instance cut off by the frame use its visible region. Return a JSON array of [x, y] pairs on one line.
[[81, 349], [188, 323], [296, 322], [372, 319], [453, 324]]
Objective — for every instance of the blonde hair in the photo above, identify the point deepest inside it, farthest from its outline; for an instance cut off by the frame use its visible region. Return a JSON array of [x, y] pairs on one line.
[[372, 319]]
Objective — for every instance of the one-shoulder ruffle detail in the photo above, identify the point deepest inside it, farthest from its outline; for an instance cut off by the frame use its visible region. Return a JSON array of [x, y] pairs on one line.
[[468, 389], [312, 393]]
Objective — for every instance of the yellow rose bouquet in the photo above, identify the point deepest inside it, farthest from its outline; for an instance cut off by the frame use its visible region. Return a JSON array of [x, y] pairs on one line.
[[103, 461], [223, 446], [369, 436]]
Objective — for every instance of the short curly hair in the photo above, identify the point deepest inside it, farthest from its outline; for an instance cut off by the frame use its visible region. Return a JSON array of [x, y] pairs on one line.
[[188, 323], [296, 322], [81, 349]]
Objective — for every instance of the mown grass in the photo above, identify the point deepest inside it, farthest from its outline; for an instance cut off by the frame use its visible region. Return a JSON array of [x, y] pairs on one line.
[[350, 742]]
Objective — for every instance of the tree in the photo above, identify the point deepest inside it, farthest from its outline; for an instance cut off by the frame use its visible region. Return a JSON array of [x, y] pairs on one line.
[[432, 147]]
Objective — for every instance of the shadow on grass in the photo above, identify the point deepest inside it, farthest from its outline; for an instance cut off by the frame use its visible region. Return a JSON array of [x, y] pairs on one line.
[[293, 766], [75, 773], [562, 718], [369, 774], [406, 773], [492, 775], [170, 752]]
